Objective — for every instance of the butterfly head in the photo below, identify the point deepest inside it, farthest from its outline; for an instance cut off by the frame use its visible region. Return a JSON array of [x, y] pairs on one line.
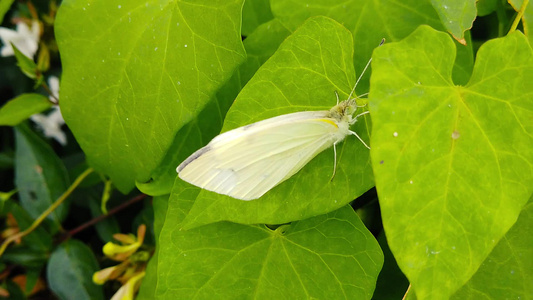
[[344, 110]]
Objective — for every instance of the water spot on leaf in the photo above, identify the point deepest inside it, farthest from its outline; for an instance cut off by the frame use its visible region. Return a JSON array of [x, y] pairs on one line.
[[120, 6], [395, 134]]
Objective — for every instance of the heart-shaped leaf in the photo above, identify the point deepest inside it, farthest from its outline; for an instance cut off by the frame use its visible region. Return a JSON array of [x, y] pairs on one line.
[[453, 164]]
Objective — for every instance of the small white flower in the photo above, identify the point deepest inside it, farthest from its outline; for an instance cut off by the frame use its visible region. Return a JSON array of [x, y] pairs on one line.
[[51, 123], [53, 84], [26, 39]]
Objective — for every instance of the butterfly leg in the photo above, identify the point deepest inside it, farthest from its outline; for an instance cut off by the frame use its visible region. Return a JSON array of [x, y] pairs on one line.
[[334, 161], [360, 139], [337, 94], [363, 113]]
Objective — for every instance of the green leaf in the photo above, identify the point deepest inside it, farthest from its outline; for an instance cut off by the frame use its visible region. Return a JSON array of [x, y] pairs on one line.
[[486, 7], [255, 13], [370, 21], [22, 107], [29, 257], [456, 15], [304, 74], [331, 256], [40, 176], [259, 46], [139, 73], [26, 64], [5, 5], [39, 241], [508, 271], [70, 270], [453, 164]]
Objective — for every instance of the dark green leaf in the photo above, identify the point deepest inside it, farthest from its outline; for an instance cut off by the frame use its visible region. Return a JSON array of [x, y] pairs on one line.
[[304, 74], [70, 270], [39, 240], [28, 256], [40, 175], [22, 107], [139, 73], [453, 164]]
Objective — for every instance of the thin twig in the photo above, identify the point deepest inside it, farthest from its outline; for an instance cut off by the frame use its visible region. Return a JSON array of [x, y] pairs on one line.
[[47, 89], [519, 16], [91, 222], [406, 292], [47, 212]]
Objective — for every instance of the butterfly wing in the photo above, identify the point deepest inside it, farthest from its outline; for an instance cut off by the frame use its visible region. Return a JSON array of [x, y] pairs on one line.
[[247, 162]]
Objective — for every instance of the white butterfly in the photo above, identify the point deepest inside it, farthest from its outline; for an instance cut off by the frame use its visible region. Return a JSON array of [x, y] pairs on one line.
[[247, 162]]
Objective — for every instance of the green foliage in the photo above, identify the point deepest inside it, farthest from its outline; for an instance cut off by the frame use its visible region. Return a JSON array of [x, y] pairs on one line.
[[40, 175], [126, 126], [70, 271], [146, 83], [452, 163], [22, 107]]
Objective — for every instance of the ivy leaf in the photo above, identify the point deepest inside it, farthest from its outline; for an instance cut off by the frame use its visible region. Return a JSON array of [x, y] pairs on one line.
[[40, 176], [508, 271], [243, 261], [453, 164], [139, 73], [303, 74], [22, 107], [456, 15], [69, 272]]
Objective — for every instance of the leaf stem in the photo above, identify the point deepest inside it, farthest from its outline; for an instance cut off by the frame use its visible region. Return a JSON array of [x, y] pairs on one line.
[[518, 16], [47, 89], [406, 292], [101, 217], [47, 212]]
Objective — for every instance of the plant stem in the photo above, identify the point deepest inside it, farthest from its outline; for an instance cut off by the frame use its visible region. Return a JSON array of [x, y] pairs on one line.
[[47, 212], [519, 16], [47, 89], [101, 217], [406, 292]]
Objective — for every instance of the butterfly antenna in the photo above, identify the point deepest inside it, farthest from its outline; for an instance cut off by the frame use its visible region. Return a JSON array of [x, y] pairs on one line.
[[363, 73]]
